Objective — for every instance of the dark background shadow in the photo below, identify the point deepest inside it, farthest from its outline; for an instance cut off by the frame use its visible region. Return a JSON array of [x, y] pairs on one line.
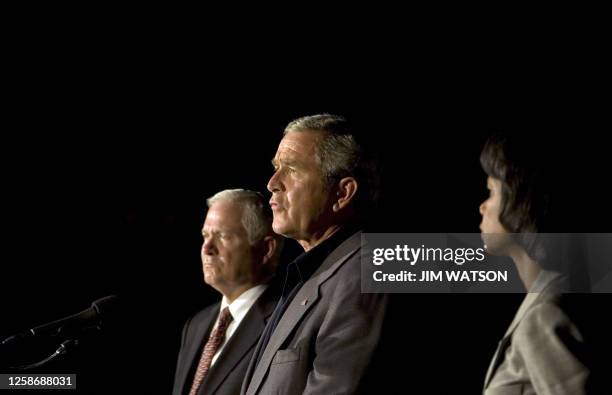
[[107, 169]]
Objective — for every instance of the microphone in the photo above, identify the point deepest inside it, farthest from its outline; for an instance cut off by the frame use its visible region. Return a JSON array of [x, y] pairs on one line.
[[88, 318]]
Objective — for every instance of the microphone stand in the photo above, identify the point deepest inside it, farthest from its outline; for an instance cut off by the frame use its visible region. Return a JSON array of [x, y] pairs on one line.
[[65, 347], [61, 350]]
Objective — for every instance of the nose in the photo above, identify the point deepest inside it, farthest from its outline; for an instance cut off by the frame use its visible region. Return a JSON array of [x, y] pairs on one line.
[[274, 185], [208, 247], [482, 207]]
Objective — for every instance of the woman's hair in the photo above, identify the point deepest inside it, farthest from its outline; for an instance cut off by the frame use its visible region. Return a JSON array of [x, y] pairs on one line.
[[537, 198], [518, 162]]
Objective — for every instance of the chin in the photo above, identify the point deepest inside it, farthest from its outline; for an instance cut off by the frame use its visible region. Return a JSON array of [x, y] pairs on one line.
[[209, 278], [279, 229], [497, 244]]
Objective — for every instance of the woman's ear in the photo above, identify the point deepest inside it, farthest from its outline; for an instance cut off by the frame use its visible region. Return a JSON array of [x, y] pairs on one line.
[[347, 189]]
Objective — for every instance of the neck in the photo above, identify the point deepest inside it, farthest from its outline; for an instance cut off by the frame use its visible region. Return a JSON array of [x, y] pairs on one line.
[[234, 293], [318, 237], [528, 268]]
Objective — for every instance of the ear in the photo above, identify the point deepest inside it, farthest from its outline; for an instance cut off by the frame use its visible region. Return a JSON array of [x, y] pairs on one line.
[[347, 189], [270, 244]]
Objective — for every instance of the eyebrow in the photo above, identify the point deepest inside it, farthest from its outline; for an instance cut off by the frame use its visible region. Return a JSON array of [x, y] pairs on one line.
[[219, 230], [286, 161]]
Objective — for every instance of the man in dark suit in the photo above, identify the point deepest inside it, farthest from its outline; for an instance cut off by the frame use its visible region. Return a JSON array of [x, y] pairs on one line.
[[324, 331], [239, 255]]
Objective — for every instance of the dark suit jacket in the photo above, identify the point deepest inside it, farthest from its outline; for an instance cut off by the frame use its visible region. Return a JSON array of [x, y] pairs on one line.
[[226, 375], [325, 339]]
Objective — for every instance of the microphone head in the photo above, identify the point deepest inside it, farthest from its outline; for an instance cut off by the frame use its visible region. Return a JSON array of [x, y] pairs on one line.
[[91, 319], [105, 305]]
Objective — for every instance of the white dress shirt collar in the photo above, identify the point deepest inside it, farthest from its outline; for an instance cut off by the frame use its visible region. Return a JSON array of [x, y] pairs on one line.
[[242, 304]]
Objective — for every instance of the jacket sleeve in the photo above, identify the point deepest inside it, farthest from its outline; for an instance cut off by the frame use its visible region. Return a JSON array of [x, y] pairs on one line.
[[177, 373]]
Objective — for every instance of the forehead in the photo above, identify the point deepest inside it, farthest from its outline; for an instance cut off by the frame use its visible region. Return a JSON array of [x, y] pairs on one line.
[[298, 144], [223, 214]]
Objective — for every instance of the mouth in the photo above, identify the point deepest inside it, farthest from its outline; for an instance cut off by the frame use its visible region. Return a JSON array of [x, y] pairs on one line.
[[274, 205]]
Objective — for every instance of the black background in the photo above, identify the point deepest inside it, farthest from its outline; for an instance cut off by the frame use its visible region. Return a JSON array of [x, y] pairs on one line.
[[108, 158]]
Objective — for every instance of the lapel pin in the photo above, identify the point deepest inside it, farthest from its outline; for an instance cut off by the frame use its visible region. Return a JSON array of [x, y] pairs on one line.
[[304, 302]]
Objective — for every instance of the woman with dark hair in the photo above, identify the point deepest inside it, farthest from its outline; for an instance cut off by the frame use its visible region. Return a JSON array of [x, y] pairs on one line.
[[543, 350]]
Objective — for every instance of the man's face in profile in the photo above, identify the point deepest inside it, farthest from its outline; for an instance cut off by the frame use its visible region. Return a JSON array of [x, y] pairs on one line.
[[227, 257], [300, 199]]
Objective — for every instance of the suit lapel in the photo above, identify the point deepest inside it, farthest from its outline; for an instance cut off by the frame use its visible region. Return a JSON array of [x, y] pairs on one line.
[[498, 357], [192, 357], [244, 338], [553, 282], [303, 301]]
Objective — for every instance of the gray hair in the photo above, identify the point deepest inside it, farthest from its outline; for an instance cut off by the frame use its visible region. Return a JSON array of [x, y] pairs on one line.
[[256, 215], [339, 154]]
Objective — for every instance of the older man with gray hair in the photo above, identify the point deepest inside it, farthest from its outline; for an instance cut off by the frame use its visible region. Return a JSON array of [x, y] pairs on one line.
[[239, 256]]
